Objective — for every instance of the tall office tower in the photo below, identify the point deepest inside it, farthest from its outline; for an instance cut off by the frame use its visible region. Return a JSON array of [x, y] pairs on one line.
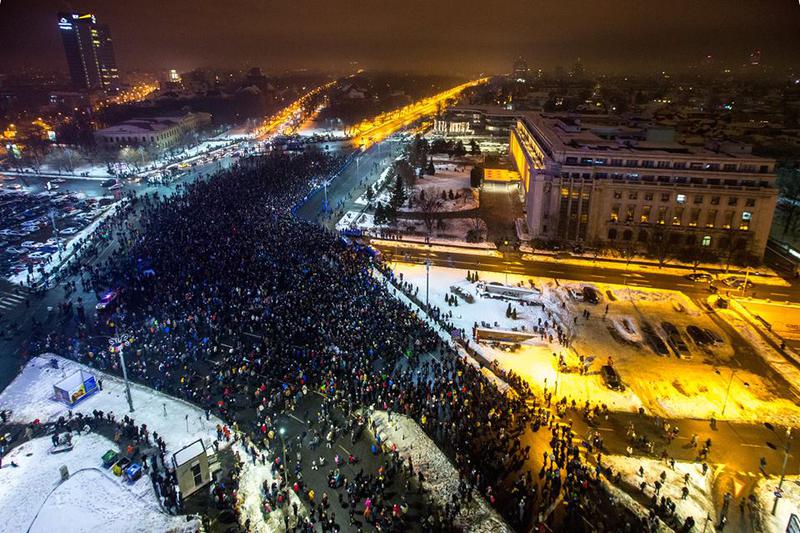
[[90, 52]]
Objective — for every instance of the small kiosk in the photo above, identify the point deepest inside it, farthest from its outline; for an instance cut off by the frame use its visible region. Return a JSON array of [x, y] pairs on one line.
[[75, 387]]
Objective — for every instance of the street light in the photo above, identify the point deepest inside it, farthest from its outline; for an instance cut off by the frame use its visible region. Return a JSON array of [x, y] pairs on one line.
[[281, 433], [118, 344], [779, 491]]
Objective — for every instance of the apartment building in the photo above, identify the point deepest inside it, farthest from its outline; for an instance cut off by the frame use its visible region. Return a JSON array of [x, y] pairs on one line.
[[599, 180]]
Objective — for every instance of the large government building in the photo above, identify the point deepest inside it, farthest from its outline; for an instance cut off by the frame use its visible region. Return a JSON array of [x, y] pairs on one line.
[[593, 180]]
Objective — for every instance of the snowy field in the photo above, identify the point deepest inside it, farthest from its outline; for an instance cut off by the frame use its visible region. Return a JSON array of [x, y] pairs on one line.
[[92, 499], [94, 496], [30, 396], [441, 477], [693, 386]]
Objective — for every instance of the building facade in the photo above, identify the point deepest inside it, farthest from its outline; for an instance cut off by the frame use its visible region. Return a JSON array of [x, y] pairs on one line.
[[156, 132], [612, 184], [90, 52]]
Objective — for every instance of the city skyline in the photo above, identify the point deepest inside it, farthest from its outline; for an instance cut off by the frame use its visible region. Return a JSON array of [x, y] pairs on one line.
[[444, 38]]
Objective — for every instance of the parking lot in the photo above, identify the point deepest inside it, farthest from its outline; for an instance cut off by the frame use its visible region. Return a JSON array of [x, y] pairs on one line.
[[29, 222]]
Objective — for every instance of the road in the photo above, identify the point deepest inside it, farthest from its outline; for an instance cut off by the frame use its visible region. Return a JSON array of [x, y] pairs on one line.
[[515, 264], [351, 183]]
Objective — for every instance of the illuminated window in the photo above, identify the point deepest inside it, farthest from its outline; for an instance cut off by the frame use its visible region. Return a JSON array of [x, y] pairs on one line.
[[727, 220], [564, 192], [706, 240], [645, 216], [662, 215], [694, 216], [614, 214], [745, 223], [677, 216], [711, 218], [680, 198]]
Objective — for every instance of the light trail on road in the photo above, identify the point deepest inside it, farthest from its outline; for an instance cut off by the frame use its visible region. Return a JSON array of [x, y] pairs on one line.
[[377, 129], [292, 115]]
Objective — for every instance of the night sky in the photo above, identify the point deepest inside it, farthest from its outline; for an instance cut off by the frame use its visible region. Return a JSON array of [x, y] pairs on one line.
[[456, 37]]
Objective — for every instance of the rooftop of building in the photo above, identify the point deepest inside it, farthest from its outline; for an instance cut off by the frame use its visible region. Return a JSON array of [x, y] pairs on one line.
[[144, 125], [614, 137]]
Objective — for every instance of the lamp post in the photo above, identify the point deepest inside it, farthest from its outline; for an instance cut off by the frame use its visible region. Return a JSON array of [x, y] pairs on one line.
[[778, 492], [118, 344], [281, 432]]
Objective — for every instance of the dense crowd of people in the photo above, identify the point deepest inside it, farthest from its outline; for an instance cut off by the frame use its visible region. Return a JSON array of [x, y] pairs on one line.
[[244, 310]]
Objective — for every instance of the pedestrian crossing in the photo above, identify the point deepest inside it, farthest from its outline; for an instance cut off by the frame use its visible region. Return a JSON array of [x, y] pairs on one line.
[[10, 299]]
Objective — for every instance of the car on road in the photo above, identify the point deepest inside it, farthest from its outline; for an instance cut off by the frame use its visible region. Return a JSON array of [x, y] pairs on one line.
[[737, 282], [58, 180], [109, 300], [115, 187], [675, 340], [69, 231], [109, 182], [700, 277], [699, 335], [591, 295], [611, 378]]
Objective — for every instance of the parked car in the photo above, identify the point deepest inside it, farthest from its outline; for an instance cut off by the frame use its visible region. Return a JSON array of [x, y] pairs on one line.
[[655, 342], [69, 231], [591, 295], [700, 277], [611, 378], [675, 340], [109, 182], [16, 251], [715, 339], [28, 244], [698, 335], [38, 255], [575, 295]]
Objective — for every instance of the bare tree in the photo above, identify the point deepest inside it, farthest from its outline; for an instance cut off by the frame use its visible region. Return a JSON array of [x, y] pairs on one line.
[[429, 205], [477, 230]]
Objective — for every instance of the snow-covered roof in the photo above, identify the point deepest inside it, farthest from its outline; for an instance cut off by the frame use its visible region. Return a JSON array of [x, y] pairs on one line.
[[188, 453]]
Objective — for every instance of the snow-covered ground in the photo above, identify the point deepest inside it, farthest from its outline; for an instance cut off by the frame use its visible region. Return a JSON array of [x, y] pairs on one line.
[[448, 178], [441, 477], [666, 386], [699, 501], [251, 482], [32, 498], [788, 504], [123, 507], [30, 396]]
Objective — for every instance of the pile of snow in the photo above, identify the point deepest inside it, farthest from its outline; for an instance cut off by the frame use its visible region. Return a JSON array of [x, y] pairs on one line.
[[33, 496], [441, 477], [251, 499]]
